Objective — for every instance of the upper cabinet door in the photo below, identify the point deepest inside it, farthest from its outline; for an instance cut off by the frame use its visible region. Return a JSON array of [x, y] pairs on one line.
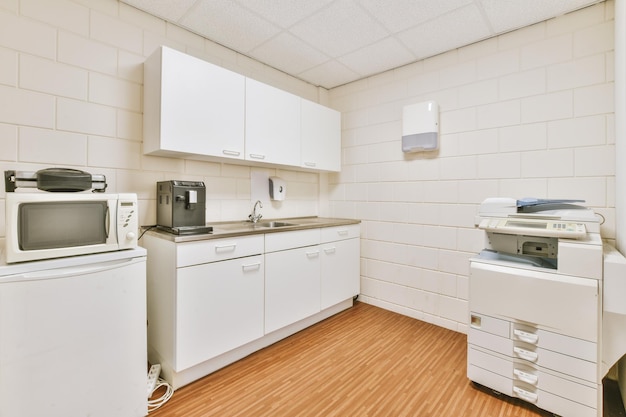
[[321, 137], [272, 125], [192, 107]]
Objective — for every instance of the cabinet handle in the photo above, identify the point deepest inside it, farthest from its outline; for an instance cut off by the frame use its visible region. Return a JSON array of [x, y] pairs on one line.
[[330, 250], [526, 376], [257, 156], [251, 266], [342, 232], [525, 354], [527, 337], [525, 395], [225, 248], [229, 152], [313, 254], [310, 164]]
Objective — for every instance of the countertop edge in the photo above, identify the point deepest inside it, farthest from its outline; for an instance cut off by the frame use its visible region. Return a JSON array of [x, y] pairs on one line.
[[229, 229]]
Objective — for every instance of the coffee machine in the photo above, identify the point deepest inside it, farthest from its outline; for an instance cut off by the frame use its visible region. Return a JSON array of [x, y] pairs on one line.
[[181, 207]]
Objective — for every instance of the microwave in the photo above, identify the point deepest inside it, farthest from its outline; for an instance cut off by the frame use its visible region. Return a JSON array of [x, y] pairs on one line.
[[54, 225]]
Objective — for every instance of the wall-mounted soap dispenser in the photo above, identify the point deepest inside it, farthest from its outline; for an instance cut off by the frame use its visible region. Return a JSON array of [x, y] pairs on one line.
[[420, 127], [278, 188]]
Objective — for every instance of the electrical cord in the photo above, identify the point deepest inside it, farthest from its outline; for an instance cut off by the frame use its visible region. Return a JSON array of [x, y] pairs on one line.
[[158, 402], [147, 228]]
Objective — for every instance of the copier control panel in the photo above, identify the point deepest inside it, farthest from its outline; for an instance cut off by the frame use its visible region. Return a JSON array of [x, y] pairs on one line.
[[534, 227]]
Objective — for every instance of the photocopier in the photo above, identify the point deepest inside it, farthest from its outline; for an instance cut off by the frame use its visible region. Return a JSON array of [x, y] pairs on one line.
[[536, 305]]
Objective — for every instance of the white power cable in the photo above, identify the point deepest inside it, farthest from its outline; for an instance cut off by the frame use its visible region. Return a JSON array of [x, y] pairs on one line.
[[158, 402]]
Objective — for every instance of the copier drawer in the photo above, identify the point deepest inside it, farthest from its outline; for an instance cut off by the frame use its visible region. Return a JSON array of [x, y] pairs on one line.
[[533, 378], [543, 399], [536, 355], [536, 298]]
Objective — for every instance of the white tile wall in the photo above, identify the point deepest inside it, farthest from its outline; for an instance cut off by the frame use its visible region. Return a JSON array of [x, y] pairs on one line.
[[528, 113], [71, 86]]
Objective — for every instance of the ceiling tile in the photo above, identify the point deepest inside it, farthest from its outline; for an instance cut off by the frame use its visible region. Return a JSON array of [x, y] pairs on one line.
[[284, 13], [399, 15], [437, 36], [378, 57], [289, 54], [332, 42], [227, 23], [330, 74], [340, 28], [505, 15]]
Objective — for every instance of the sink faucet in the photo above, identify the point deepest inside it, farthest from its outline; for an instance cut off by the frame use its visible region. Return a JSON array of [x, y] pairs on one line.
[[256, 217]]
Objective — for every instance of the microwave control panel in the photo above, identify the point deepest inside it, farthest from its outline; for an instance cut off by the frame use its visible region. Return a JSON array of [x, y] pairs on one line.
[[127, 223]]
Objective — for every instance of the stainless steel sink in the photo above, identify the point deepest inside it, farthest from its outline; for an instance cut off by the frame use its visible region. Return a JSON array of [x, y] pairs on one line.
[[274, 224]]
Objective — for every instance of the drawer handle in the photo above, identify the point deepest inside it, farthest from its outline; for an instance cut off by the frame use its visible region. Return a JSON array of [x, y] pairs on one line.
[[330, 250], [254, 266], [225, 248], [342, 232], [310, 164], [313, 254], [527, 337], [525, 395], [525, 376], [257, 156], [229, 152], [525, 354]]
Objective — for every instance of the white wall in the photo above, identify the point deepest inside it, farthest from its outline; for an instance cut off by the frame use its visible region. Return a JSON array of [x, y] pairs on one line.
[[526, 114], [71, 80], [620, 123], [529, 113]]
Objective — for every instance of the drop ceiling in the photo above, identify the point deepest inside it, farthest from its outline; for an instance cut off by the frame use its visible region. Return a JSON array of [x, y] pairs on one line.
[[333, 42]]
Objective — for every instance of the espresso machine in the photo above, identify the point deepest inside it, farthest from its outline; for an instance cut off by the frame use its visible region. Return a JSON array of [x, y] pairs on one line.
[[181, 207]]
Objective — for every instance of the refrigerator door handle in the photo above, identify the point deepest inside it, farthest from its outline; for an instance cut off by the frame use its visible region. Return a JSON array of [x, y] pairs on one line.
[[72, 270]]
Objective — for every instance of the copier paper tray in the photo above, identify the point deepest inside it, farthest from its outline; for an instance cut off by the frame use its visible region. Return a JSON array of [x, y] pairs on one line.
[[492, 255]]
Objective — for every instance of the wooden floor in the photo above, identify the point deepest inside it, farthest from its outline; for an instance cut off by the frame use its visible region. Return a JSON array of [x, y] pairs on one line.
[[365, 361]]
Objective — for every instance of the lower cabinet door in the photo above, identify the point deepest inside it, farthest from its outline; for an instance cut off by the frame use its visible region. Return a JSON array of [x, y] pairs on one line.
[[340, 271], [292, 286], [219, 308]]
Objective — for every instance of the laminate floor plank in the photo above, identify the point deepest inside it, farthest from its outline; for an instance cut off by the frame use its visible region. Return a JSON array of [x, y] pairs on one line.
[[365, 361]]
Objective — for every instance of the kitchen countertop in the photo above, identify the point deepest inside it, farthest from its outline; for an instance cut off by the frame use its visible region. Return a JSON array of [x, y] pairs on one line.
[[243, 228]]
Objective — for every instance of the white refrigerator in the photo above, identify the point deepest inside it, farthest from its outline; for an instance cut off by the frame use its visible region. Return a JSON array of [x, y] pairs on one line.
[[73, 336]]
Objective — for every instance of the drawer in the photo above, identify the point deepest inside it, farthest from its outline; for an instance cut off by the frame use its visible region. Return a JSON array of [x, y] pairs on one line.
[[534, 355], [542, 399], [495, 343], [213, 250], [331, 234], [535, 376], [288, 240], [555, 342]]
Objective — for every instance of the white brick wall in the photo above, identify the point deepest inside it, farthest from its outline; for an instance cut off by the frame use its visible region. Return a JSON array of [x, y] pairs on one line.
[[71, 91], [528, 113]]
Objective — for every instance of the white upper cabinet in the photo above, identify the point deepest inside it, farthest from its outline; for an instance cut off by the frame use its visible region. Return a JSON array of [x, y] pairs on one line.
[[192, 108], [272, 125], [321, 137], [197, 110]]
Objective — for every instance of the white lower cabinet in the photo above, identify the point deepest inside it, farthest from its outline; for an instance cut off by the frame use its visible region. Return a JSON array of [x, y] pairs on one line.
[[292, 288], [340, 253], [214, 301], [308, 271], [220, 308]]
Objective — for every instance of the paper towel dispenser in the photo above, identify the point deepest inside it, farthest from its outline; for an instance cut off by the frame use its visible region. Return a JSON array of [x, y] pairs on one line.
[[420, 127], [278, 188]]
